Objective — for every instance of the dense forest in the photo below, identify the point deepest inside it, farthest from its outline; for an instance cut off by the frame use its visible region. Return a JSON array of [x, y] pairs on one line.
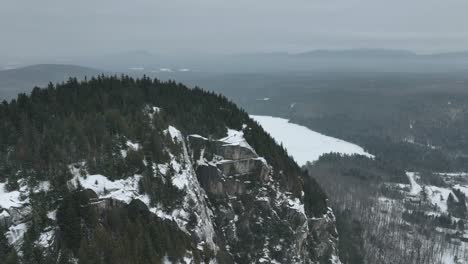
[[89, 122], [416, 120]]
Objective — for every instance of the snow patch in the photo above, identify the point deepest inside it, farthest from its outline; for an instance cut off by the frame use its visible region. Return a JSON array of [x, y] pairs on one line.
[[122, 190], [15, 233], [236, 138], [415, 187], [52, 215], [9, 199], [438, 196], [175, 133], [198, 136], [18, 198], [46, 238], [296, 205]]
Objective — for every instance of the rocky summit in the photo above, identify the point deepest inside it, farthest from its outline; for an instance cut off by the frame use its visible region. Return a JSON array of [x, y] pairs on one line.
[[158, 174]]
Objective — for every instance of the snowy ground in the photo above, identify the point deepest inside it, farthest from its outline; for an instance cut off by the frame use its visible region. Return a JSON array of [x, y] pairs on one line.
[[415, 187], [302, 143]]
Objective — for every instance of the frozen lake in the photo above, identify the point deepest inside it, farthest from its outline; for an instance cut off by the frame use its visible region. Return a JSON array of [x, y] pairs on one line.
[[302, 143]]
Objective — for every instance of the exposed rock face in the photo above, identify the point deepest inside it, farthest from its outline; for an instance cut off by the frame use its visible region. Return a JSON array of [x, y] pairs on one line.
[[255, 221], [235, 152], [229, 205]]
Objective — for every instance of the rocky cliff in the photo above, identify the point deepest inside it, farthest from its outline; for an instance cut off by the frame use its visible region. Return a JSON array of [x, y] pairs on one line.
[[194, 198]]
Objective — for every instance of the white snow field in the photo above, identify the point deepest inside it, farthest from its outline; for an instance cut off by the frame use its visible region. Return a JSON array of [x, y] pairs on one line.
[[304, 144]]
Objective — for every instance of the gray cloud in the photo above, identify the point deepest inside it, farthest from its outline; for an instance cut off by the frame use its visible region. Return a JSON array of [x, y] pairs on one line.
[[61, 27]]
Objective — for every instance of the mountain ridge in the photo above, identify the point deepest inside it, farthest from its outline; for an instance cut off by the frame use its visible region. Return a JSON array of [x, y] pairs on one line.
[[129, 170]]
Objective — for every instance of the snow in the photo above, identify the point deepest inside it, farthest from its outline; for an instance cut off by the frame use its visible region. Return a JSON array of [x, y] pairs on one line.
[[454, 174], [163, 168], [43, 186], [4, 214], [166, 260], [335, 260], [185, 179], [133, 146], [304, 144], [165, 70], [415, 187], [130, 145], [181, 180], [236, 138], [9, 199], [18, 198], [46, 238], [52, 215], [122, 190], [462, 188], [175, 133], [151, 111], [438, 196], [198, 136], [296, 205], [15, 233]]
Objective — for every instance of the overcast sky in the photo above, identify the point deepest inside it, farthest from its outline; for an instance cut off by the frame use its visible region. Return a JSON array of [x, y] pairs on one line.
[[66, 27]]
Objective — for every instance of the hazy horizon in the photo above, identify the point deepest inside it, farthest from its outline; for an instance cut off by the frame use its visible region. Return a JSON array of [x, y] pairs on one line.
[[57, 29]]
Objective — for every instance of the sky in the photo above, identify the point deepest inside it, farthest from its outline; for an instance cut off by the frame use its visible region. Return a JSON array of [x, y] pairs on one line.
[[90, 27]]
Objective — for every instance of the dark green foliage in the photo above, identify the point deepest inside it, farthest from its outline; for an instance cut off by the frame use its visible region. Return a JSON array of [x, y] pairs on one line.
[[89, 123], [430, 178], [7, 253], [363, 168], [83, 121], [314, 198], [160, 189], [457, 208], [420, 218], [120, 234], [350, 244], [73, 208]]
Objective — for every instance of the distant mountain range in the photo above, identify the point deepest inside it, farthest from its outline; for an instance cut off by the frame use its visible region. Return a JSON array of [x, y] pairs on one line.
[[317, 60], [379, 53], [183, 68]]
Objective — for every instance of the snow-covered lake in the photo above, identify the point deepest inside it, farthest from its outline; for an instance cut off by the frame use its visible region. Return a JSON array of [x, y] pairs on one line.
[[302, 143]]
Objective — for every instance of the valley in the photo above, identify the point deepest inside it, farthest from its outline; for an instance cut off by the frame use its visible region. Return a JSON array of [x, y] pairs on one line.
[[417, 217]]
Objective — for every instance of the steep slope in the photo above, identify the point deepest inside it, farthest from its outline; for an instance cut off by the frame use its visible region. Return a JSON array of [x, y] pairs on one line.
[[117, 170]]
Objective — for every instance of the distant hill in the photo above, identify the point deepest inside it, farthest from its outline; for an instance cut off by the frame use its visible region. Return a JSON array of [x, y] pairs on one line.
[[359, 53], [23, 80]]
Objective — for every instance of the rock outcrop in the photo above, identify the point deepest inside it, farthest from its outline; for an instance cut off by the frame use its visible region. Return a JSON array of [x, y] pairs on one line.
[[251, 214], [229, 206]]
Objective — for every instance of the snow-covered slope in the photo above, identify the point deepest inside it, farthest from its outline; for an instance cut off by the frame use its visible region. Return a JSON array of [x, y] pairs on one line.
[[213, 190], [302, 143]]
